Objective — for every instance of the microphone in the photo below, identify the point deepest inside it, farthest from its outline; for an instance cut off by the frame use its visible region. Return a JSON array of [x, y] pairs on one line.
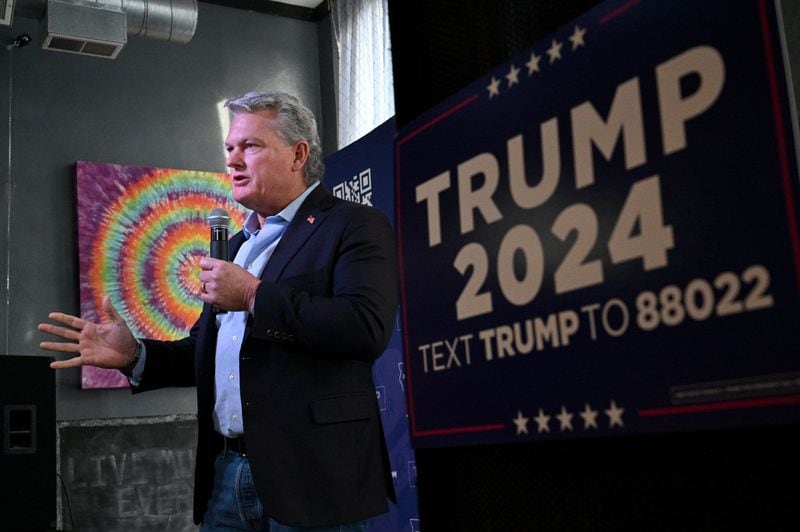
[[218, 221]]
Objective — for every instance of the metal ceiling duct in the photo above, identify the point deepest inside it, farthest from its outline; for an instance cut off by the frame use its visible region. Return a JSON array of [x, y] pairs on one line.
[[98, 28], [165, 20]]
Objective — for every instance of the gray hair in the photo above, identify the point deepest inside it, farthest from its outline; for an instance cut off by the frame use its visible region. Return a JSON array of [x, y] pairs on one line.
[[294, 123]]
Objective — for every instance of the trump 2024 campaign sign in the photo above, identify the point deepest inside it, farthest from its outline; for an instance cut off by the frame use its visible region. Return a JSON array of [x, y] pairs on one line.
[[600, 236]]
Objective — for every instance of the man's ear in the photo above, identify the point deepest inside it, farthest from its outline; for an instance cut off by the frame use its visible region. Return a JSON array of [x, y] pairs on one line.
[[300, 155]]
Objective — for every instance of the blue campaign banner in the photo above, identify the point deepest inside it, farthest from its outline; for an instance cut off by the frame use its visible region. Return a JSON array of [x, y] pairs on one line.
[[364, 172], [600, 236]]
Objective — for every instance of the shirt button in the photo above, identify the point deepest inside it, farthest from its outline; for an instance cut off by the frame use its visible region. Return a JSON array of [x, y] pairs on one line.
[[235, 338], [233, 417], [230, 377]]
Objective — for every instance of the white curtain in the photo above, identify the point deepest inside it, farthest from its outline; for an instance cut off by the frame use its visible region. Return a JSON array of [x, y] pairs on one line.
[[365, 96]]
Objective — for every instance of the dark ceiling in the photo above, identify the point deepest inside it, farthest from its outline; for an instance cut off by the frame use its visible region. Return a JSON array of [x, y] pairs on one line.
[[280, 9]]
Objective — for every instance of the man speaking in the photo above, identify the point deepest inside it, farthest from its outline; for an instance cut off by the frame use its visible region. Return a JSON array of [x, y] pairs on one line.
[[289, 433]]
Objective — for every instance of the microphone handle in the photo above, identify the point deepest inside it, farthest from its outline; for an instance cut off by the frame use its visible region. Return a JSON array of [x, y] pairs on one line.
[[219, 250], [219, 243]]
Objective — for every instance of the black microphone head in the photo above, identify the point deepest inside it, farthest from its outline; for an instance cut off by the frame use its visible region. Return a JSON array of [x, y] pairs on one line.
[[219, 218]]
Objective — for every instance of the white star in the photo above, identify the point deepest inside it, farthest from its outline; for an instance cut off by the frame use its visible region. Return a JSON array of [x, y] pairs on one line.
[[554, 51], [614, 414], [533, 64], [589, 417], [513, 75], [493, 87], [521, 422], [565, 418], [577, 37], [543, 421]]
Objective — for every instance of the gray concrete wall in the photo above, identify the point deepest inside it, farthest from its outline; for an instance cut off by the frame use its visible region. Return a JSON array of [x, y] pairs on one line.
[[155, 105]]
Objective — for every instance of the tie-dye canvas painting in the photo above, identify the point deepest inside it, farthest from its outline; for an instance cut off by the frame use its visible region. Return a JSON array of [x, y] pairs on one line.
[[141, 232]]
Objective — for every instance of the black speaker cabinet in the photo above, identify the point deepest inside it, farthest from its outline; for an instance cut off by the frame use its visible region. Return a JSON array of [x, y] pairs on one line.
[[28, 483]]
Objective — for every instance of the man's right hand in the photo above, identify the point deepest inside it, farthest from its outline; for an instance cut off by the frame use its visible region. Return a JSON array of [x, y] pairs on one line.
[[110, 344]]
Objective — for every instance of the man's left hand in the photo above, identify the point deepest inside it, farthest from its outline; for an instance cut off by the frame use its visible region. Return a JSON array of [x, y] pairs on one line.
[[226, 285]]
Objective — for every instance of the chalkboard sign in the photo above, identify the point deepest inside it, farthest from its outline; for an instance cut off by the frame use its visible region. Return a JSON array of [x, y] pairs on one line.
[[128, 474]]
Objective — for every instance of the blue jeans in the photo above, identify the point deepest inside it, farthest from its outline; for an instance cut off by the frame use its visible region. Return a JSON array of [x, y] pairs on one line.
[[234, 503]]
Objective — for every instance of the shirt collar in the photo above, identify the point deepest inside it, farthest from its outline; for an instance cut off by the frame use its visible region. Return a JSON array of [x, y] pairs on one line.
[[251, 225]]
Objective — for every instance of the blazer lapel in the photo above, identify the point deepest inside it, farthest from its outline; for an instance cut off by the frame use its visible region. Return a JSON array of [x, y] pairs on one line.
[[309, 218], [235, 243]]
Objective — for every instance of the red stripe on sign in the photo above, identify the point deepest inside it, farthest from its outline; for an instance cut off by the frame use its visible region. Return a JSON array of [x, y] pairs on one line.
[[401, 267], [460, 430], [724, 405], [617, 12], [780, 137], [439, 118]]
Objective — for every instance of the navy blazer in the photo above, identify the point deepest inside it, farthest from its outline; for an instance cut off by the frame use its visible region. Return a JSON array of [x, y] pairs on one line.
[[323, 313]]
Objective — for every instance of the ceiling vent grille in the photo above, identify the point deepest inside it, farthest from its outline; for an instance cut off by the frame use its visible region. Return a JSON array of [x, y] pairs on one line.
[[81, 46], [89, 29], [6, 9]]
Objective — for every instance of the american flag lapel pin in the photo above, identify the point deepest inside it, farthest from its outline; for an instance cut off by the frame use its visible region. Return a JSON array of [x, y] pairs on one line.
[[310, 219]]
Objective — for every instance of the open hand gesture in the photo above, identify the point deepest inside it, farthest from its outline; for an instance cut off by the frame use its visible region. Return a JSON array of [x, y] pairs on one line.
[[107, 345]]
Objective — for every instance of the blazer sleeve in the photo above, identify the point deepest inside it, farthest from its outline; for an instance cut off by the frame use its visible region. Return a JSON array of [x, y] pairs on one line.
[[169, 363], [352, 315]]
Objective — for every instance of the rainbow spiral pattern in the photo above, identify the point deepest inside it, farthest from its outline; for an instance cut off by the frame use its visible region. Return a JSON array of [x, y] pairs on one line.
[[141, 232]]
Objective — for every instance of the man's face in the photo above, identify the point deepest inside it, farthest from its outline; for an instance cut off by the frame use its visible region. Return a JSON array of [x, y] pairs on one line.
[[266, 174]]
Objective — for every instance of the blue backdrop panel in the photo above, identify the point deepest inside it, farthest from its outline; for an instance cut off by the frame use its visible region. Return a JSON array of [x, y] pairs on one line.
[[600, 237], [363, 172]]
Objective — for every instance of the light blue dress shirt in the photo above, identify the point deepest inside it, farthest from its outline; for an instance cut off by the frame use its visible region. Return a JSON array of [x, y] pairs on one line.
[[253, 256]]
